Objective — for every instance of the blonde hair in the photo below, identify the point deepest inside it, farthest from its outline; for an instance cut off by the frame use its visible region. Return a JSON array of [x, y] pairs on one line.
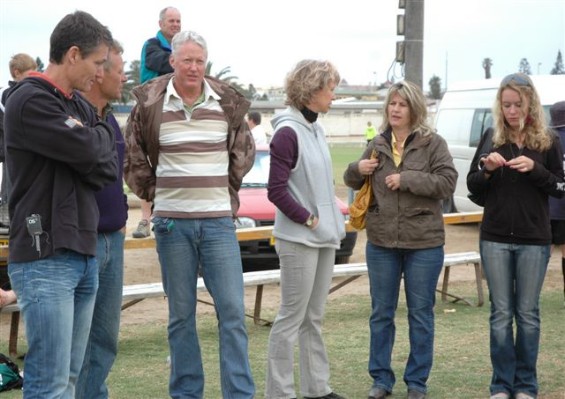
[[532, 121], [306, 79], [416, 100], [21, 63]]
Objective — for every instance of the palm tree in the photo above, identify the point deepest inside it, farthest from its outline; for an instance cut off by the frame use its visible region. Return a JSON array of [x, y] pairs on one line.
[[224, 76], [435, 87], [487, 64]]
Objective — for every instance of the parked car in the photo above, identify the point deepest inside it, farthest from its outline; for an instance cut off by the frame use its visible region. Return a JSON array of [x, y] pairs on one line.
[[465, 112], [256, 211]]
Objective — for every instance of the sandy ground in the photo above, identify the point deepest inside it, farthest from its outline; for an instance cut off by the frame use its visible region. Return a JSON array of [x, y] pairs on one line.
[[142, 266]]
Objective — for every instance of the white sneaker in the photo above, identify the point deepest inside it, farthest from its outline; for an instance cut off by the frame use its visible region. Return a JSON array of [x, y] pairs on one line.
[[522, 395], [500, 395]]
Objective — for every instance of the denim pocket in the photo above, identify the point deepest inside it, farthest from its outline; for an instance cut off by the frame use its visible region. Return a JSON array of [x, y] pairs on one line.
[[162, 225]]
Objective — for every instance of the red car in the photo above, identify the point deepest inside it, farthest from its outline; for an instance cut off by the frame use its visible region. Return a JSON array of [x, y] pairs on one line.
[[256, 210]]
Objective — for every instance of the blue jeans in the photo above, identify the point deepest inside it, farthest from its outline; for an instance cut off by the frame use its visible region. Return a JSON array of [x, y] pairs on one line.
[[183, 245], [103, 342], [515, 275], [421, 269], [56, 296]]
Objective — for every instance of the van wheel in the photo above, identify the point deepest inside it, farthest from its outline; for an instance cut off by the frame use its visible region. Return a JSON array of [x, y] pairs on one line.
[[448, 206]]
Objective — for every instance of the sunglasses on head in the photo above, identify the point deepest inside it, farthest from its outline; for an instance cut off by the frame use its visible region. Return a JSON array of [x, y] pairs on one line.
[[517, 79]]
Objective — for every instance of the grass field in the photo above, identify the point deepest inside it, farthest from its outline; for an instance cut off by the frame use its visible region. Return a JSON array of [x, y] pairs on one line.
[[461, 367]]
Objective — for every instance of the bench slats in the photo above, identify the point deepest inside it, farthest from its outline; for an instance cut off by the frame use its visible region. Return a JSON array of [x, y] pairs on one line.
[[135, 293], [265, 277]]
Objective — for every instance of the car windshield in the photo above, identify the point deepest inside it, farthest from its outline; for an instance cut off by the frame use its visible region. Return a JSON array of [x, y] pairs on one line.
[[258, 176]]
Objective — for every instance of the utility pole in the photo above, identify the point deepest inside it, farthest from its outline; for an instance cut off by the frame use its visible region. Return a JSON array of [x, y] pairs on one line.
[[414, 41]]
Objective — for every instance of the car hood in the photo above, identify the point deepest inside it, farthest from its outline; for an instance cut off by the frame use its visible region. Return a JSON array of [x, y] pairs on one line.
[[255, 204]]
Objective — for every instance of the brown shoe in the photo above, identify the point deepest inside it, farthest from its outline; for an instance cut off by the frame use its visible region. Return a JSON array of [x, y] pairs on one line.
[[413, 394], [378, 393]]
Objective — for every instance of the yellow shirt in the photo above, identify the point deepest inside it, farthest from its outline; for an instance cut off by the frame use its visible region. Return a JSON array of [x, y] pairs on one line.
[[370, 132], [395, 154]]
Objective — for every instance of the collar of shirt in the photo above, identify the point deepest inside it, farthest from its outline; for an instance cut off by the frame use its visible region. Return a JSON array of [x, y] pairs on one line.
[[395, 154], [173, 98]]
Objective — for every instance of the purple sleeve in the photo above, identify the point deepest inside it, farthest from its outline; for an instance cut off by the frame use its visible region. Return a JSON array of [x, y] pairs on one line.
[[284, 154]]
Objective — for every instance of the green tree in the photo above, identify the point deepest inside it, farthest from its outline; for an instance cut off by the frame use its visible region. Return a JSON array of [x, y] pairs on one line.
[[435, 87], [558, 69], [487, 64], [40, 65], [525, 67], [133, 75]]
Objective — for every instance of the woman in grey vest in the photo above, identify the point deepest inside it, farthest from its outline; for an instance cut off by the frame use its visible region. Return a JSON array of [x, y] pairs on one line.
[[308, 229]]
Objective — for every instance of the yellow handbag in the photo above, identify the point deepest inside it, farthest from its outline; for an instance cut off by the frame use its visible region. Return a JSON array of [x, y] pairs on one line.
[[358, 208]]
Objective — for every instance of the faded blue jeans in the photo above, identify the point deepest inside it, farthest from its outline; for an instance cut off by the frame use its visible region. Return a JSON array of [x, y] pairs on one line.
[[515, 275], [183, 245], [103, 342], [421, 269], [56, 296]]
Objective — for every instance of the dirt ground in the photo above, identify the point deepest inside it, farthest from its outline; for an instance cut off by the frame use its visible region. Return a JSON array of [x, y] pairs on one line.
[[141, 266]]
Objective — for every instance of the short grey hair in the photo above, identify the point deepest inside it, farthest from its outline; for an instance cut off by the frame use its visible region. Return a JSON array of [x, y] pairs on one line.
[[163, 12], [188, 36], [115, 47]]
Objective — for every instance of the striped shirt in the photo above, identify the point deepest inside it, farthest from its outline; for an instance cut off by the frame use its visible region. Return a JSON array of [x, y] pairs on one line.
[[192, 173]]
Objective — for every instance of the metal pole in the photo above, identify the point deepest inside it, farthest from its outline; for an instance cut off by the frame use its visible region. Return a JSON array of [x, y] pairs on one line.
[[414, 38]]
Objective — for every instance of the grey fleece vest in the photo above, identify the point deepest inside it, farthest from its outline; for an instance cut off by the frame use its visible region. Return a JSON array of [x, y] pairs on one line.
[[311, 184]]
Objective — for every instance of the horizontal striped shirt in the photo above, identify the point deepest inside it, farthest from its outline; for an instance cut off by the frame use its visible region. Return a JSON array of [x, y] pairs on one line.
[[192, 173]]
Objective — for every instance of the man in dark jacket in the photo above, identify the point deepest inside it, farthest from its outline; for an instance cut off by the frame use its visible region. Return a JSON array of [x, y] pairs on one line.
[[156, 51], [58, 155], [112, 204]]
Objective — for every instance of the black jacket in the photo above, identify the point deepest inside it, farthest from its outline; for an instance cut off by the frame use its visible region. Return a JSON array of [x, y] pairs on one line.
[[55, 165], [516, 208]]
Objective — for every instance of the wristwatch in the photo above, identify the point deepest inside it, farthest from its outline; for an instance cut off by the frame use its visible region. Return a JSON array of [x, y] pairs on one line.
[[309, 222]]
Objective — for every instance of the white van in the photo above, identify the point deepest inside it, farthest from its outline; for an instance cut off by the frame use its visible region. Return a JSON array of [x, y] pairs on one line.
[[465, 113]]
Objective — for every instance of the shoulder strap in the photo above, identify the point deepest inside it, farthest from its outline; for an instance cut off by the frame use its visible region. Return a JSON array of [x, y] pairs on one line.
[[486, 142]]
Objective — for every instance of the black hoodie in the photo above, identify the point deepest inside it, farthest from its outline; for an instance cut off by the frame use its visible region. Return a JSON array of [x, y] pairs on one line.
[[55, 165]]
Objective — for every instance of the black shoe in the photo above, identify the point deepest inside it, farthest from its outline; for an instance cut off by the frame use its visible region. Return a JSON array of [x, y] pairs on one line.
[[331, 395], [413, 394], [378, 393]]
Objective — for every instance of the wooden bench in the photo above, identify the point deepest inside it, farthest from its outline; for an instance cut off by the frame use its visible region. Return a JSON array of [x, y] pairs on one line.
[[133, 294]]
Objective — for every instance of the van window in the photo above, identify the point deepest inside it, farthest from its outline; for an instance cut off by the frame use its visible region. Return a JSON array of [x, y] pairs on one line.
[[482, 120]]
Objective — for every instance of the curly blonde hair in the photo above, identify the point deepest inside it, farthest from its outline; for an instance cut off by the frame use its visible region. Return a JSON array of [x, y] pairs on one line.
[[532, 122], [306, 79]]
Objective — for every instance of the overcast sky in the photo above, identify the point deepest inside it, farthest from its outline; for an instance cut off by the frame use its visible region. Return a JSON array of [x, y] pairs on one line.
[[262, 40]]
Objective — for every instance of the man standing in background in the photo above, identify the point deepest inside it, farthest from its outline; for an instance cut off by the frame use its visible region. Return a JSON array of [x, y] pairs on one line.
[[258, 131], [155, 62], [370, 132], [102, 345], [156, 51], [20, 66]]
